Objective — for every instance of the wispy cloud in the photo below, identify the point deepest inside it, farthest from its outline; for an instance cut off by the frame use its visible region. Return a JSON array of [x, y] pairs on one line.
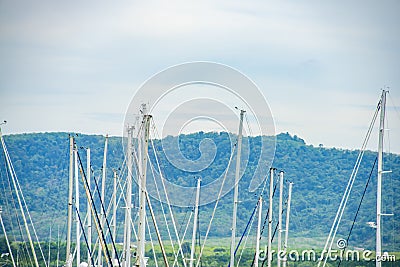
[[314, 61]]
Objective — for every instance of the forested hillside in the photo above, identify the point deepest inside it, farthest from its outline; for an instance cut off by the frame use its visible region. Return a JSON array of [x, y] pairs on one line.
[[319, 174]]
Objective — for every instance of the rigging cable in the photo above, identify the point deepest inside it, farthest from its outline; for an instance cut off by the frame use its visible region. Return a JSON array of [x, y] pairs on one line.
[[394, 104], [358, 209], [84, 235], [273, 235], [390, 158], [118, 201], [216, 205], [187, 224], [103, 209], [392, 193], [161, 203], [25, 250], [245, 229], [156, 229], [248, 124], [122, 195], [63, 173], [186, 213], [391, 155], [105, 217], [245, 241], [169, 207], [27, 210], [251, 216], [183, 237], [198, 233], [186, 227], [266, 215], [5, 236], [18, 192], [338, 217], [152, 243], [97, 221]]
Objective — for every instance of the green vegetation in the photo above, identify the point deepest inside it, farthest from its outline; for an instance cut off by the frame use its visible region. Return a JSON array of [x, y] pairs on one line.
[[213, 256], [319, 174]]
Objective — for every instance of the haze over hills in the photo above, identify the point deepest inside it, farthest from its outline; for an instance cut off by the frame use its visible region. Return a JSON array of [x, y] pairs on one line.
[[319, 174]]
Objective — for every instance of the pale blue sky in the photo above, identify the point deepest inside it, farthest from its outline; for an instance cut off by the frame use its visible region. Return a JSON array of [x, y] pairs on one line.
[[75, 65]]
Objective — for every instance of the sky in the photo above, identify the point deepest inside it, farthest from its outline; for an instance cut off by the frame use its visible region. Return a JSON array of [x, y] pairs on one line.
[[75, 65]]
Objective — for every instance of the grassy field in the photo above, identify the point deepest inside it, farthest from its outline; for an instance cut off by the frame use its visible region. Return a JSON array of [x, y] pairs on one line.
[[216, 254], [304, 252]]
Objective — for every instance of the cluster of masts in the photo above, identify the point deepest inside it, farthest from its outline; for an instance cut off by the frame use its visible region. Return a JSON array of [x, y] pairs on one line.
[[102, 225], [106, 247], [234, 245], [108, 252]]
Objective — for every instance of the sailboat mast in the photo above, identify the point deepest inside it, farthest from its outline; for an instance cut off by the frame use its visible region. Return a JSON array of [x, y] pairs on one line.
[[70, 191], [5, 235], [114, 218], [49, 256], [140, 254], [78, 226], [379, 180], [18, 192], [128, 209], [236, 190], [287, 224], [256, 258], [58, 245], [196, 214], [280, 210], [103, 190], [157, 231], [271, 192], [89, 214]]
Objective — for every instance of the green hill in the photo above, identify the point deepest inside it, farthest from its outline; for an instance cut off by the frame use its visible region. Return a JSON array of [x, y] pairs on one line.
[[319, 174]]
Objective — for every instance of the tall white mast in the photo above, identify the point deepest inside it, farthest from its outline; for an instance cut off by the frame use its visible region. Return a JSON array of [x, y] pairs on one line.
[[196, 214], [236, 190], [18, 192], [256, 258], [114, 218], [379, 180], [280, 209], [5, 235], [285, 244], [157, 231], [49, 256], [78, 227], [70, 191], [140, 254], [271, 192], [89, 214], [103, 190], [128, 209]]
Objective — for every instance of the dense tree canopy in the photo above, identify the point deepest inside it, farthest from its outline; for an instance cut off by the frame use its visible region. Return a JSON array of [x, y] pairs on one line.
[[319, 174]]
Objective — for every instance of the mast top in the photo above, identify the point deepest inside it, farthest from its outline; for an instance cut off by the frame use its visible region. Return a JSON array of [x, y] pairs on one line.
[[241, 110]]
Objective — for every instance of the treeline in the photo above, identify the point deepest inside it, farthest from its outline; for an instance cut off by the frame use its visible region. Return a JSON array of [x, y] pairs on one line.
[[319, 174]]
